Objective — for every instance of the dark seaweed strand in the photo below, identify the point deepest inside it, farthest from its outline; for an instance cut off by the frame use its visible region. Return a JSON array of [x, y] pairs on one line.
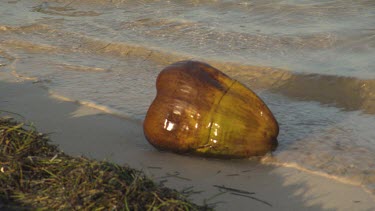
[[233, 189], [176, 175], [252, 197]]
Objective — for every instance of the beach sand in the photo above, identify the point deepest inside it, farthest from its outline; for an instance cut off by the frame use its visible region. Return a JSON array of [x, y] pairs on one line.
[[83, 130]]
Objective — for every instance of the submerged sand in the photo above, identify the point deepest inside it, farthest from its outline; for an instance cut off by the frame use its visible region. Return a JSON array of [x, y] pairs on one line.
[[83, 130]]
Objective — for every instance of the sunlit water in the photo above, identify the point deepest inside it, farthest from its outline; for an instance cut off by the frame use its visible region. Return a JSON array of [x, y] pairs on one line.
[[311, 61]]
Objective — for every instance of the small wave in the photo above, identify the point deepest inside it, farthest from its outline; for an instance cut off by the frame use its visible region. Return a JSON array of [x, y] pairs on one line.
[[91, 104], [5, 58], [65, 10], [343, 92], [30, 46], [348, 93], [26, 28], [195, 32], [268, 160], [81, 68]]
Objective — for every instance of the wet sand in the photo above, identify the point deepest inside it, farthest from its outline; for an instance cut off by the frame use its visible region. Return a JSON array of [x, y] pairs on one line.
[[82, 130]]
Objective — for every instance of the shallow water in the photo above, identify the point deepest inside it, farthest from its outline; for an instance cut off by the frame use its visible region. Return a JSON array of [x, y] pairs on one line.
[[311, 61]]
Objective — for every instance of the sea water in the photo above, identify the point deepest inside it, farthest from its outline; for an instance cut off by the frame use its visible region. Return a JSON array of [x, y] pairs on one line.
[[312, 62]]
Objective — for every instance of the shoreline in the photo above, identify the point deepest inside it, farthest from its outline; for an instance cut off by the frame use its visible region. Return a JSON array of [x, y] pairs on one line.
[[37, 175], [82, 130]]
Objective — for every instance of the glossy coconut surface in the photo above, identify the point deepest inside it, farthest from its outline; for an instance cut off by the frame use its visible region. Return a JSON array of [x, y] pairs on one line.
[[201, 110]]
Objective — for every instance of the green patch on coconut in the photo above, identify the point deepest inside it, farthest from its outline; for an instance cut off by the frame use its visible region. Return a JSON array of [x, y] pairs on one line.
[[36, 175]]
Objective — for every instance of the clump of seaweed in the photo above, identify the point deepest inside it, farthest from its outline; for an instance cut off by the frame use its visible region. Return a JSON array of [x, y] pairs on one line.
[[36, 175]]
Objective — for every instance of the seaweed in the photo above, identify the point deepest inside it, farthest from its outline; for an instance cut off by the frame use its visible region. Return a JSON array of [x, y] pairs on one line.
[[242, 193]]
